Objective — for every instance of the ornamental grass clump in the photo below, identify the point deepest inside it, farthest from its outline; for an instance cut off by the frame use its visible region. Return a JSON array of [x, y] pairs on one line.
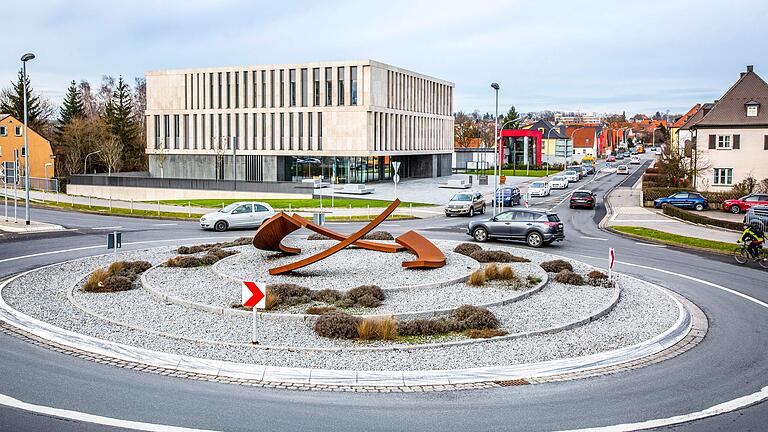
[[473, 317], [379, 235], [337, 325], [287, 294], [119, 276], [569, 277], [556, 266], [506, 273], [211, 257], [186, 250], [327, 295], [491, 271], [498, 256], [477, 278], [426, 327], [369, 296], [467, 248], [377, 329]]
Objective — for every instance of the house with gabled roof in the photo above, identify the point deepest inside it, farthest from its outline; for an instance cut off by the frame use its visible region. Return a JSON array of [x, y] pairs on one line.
[[557, 148], [674, 131], [731, 135]]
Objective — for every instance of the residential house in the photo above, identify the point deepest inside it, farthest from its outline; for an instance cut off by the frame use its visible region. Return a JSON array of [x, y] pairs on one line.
[[676, 133], [585, 139], [732, 136], [556, 146], [41, 160]]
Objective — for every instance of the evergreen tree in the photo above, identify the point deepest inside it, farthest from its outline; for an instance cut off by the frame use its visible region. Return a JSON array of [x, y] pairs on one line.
[[511, 120], [12, 102], [121, 121], [72, 107]]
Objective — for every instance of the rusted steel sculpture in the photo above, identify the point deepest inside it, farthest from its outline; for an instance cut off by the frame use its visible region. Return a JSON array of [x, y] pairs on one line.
[[272, 232], [428, 255]]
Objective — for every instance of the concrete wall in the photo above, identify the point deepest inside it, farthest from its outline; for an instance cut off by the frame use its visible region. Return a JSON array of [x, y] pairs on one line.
[[152, 194], [204, 166]]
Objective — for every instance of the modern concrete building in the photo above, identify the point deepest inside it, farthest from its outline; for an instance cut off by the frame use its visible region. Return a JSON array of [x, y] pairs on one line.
[[347, 121]]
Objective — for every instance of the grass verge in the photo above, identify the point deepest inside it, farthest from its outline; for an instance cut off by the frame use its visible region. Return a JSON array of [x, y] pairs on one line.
[[676, 240], [519, 172], [295, 203]]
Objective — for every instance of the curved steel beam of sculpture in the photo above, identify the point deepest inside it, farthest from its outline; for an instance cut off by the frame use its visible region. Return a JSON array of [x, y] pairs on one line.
[[272, 231], [427, 254], [339, 246], [375, 246]]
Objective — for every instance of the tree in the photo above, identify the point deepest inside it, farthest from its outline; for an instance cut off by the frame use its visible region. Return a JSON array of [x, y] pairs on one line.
[[89, 101], [78, 138], [72, 107], [464, 129], [511, 120], [39, 109], [120, 119], [111, 153], [139, 106]]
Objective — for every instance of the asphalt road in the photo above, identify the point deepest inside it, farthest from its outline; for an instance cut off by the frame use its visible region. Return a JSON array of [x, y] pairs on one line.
[[729, 363]]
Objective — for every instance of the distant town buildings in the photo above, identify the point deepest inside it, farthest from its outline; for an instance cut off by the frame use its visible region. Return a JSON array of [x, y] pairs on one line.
[[576, 118]]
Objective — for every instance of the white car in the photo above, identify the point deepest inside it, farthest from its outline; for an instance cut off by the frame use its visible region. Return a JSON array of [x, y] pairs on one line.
[[622, 170], [244, 214], [571, 176], [558, 182], [634, 160], [539, 188]]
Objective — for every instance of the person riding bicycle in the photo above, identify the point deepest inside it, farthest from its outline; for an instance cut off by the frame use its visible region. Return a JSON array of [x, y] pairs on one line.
[[753, 237]]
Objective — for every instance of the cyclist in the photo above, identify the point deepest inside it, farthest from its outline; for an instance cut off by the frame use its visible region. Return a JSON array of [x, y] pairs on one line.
[[753, 237]]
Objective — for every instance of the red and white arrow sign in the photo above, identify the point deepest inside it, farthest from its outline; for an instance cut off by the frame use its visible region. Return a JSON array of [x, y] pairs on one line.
[[254, 294], [611, 258]]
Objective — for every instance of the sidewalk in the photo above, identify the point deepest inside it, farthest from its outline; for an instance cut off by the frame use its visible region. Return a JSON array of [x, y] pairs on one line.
[[624, 210], [20, 227]]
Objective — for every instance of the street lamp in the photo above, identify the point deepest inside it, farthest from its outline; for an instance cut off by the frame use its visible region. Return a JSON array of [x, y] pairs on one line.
[[24, 59], [85, 164], [497, 169]]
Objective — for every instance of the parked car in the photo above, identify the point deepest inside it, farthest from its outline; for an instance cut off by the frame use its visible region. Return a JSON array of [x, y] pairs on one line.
[[558, 182], [465, 203], [539, 188], [508, 195], [583, 198], [757, 213], [578, 170], [692, 200], [622, 170], [535, 227], [571, 175], [620, 156], [611, 159], [744, 203], [634, 160], [238, 215]]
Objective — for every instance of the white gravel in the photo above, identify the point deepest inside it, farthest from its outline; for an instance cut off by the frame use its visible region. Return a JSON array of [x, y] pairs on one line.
[[642, 313]]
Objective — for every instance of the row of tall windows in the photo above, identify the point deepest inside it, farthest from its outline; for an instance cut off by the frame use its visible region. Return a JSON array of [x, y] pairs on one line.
[[412, 93], [248, 131], [403, 132], [225, 90]]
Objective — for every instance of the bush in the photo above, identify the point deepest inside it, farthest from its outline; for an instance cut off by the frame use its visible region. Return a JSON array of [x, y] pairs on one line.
[[183, 261], [377, 329], [506, 273], [316, 236], [487, 256], [326, 296], [116, 283], [425, 327], [698, 218], [477, 278], [320, 310], [569, 277], [473, 317], [533, 280], [364, 296], [186, 250], [467, 249], [288, 294], [368, 301], [209, 259], [491, 271], [556, 266], [597, 275], [337, 325], [221, 253], [379, 235], [271, 301], [95, 280], [119, 276], [484, 333], [650, 194]]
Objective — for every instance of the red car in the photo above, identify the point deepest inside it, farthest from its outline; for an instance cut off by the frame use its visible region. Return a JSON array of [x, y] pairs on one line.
[[611, 159], [744, 203]]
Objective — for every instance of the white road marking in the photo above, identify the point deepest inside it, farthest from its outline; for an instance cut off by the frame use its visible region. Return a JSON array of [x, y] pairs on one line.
[[91, 418], [650, 244], [594, 238], [107, 227], [164, 224]]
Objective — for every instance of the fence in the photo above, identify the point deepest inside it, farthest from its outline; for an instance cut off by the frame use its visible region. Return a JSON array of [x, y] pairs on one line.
[[36, 183]]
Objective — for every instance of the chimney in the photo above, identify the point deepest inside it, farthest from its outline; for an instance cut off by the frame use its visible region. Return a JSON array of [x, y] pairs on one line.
[[741, 75], [749, 68]]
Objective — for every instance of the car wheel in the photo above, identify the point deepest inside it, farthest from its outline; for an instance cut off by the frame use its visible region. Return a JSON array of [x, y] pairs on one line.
[[447, 214], [482, 211], [735, 209], [220, 226], [699, 207], [534, 239], [480, 234], [471, 211]]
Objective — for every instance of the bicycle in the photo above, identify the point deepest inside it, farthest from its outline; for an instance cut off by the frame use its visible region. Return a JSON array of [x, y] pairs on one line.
[[742, 255]]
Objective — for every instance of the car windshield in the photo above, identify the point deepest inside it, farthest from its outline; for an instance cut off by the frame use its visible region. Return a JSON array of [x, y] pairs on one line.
[[504, 192], [462, 197], [229, 208], [582, 194], [570, 172], [538, 184], [558, 178]]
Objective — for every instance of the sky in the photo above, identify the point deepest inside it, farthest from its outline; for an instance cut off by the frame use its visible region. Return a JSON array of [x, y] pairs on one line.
[[594, 56]]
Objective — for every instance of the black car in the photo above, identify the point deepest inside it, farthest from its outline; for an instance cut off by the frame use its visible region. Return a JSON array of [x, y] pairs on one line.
[[535, 227], [583, 198]]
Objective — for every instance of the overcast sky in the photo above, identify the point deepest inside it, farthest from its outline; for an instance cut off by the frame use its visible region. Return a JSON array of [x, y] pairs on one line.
[[604, 56]]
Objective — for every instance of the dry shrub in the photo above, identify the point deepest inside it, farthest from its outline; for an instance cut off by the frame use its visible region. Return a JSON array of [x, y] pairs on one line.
[[484, 333], [467, 248], [477, 278], [368, 301], [556, 266], [425, 327], [209, 259], [320, 310], [473, 317], [488, 256], [326, 295], [379, 235], [532, 280], [288, 294], [506, 273], [95, 280], [183, 261], [115, 267], [185, 250], [492, 271], [272, 301], [137, 267], [377, 329], [597, 275], [316, 236], [365, 296], [119, 276], [221, 253], [337, 325], [569, 277], [116, 283]]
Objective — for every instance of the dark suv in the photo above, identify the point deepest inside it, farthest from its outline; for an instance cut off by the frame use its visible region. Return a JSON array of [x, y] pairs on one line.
[[535, 227]]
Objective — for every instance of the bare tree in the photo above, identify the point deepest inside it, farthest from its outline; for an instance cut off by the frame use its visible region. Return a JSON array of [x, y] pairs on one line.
[[218, 150], [161, 156], [89, 101], [78, 138], [464, 130], [139, 106], [106, 90], [112, 153]]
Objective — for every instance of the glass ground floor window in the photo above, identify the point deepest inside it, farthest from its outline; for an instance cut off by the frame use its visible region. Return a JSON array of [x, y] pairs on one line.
[[339, 169], [515, 150]]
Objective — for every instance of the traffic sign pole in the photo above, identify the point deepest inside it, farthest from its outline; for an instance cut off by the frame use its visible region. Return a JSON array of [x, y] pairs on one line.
[[611, 261], [254, 295], [255, 328]]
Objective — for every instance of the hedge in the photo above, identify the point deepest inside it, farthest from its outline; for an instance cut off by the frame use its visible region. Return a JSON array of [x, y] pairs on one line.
[[650, 194], [698, 218]]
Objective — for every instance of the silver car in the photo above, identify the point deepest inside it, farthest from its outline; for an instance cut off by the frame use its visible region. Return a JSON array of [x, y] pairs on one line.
[[245, 214]]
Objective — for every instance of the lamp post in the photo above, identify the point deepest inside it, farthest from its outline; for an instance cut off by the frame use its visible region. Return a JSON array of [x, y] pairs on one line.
[[653, 136], [24, 59], [497, 169], [85, 164]]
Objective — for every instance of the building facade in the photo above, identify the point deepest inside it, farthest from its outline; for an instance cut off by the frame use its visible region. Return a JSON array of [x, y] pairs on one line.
[[346, 121], [41, 159]]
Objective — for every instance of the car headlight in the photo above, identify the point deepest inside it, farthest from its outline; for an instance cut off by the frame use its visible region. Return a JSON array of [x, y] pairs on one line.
[[202, 219]]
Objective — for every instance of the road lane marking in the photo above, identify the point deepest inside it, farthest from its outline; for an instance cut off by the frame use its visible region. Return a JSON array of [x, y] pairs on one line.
[[107, 227], [164, 224], [91, 418], [594, 238], [650, 244]]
